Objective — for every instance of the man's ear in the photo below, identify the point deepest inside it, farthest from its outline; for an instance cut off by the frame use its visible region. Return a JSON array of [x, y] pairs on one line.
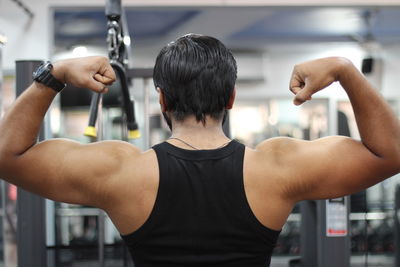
[[231, 99], [162, 100]]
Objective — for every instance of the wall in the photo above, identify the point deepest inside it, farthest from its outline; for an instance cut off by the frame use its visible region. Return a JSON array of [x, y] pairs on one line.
[[279, 62], [27, 38], [391, 77]]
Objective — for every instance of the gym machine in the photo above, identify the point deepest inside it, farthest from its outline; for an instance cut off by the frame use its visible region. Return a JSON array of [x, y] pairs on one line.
[[325, 235], [118, 53], [31, 223]]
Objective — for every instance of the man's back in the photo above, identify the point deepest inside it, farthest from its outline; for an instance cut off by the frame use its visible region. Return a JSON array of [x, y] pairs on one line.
[[201, 215]]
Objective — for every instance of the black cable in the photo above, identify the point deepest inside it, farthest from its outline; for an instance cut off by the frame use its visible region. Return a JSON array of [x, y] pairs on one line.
[[128, 103], [24, 8]]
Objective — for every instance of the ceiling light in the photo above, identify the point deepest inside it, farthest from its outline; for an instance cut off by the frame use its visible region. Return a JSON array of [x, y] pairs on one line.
[[127, 40], [79, 51], [3, 39]]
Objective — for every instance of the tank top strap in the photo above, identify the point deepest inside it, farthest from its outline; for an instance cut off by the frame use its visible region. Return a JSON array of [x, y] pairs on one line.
[[265, 233]]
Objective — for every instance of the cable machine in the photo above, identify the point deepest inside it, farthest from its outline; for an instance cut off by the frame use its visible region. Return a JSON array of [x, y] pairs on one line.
[[31, 222], [118, 53]]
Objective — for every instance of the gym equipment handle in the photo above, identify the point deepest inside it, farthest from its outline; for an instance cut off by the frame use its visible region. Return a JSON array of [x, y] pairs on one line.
[[128, 106], [94, 109], [128, 103]]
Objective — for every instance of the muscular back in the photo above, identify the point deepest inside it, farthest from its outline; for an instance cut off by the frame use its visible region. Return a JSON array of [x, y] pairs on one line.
[[277, 174], [137, 190]]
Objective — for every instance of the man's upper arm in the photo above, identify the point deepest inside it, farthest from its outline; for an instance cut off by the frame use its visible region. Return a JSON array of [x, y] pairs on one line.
[[324, 168], [67, 171]]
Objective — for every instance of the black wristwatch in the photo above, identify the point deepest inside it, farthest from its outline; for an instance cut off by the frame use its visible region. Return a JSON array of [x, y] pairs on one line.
[[43, 75]]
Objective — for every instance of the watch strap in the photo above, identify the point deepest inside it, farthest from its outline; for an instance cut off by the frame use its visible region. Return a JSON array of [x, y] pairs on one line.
[[43, 75], [50, 81]]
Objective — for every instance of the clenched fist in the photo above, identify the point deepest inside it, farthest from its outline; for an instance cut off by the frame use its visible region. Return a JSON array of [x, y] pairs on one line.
[[313, 76], [94, 73]]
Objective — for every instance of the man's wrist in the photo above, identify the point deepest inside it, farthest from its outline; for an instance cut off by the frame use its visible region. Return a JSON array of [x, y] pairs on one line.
[[59, 71], [343, 66]]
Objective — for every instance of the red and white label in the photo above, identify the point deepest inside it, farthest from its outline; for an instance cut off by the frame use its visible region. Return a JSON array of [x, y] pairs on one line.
[[336, 217]]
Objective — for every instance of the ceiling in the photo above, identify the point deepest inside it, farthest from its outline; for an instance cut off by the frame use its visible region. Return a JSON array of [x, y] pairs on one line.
[[239, 27]]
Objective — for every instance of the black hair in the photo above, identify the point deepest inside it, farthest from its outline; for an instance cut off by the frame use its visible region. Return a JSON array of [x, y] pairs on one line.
[[197, 75]]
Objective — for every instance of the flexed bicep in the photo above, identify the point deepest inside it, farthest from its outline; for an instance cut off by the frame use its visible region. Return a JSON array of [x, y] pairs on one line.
[[68, 171], [331, 167], [337, 166]]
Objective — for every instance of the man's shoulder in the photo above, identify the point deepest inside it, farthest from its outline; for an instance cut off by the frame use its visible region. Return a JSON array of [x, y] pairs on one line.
[[276, 156], [278, 146], [269, 155], [134, 165]]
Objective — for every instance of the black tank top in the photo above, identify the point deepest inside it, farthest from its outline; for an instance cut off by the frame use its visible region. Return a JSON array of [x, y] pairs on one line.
[[201, 216]]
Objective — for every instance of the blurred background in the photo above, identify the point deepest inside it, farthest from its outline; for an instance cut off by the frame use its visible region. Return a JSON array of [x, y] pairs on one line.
[[267, 39]]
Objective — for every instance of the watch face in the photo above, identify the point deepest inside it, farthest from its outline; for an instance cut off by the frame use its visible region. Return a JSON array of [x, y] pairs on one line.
[[41, 71]]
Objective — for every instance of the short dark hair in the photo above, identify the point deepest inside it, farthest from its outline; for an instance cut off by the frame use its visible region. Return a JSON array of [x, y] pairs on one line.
[[197, 75]]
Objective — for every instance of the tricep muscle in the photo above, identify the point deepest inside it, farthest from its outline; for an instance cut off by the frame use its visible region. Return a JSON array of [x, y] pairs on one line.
[[325, 168], [70, 172]]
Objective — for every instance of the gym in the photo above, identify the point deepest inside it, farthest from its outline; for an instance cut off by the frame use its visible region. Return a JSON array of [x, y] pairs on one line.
[[267, 38]]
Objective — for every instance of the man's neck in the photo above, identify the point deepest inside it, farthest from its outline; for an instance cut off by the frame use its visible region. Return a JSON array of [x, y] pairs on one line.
[[200, 136]]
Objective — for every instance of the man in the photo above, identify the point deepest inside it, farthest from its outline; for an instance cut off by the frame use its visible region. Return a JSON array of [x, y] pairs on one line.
[[199, 198]]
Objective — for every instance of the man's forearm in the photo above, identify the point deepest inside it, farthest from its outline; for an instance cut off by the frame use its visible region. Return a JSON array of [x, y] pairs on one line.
[[20, 126], [379, 128]]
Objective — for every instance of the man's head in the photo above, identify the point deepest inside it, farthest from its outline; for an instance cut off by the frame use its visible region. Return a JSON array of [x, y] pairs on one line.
[[196, 75]]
